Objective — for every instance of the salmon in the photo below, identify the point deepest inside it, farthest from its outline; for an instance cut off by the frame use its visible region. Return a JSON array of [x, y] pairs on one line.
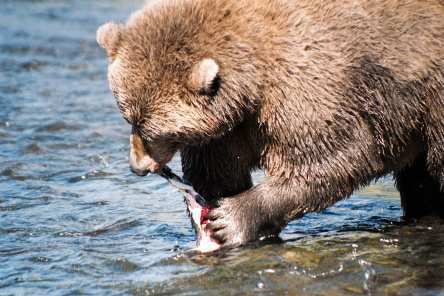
[[197, 208]]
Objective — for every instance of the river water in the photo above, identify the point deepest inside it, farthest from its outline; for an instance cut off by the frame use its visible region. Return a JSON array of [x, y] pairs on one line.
[[75, 221]]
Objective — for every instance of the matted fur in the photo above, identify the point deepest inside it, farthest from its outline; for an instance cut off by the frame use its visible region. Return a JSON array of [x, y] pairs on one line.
[[325, 96]]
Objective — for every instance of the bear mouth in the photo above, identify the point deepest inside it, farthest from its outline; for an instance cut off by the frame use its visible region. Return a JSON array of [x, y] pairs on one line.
[[197, 209]]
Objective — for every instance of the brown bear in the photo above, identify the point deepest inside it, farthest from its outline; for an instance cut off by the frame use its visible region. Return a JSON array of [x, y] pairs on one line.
[[324, 96]]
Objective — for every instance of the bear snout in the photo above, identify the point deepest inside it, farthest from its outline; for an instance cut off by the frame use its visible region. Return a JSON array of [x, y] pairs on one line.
[[141, 166], [147, 158], [141, 163]]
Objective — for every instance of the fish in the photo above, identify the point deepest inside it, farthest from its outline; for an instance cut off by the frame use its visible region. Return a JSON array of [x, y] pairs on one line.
[[197, 208]]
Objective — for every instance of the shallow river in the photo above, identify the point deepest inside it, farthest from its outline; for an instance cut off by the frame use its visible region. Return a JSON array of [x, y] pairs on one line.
[[74, 220]]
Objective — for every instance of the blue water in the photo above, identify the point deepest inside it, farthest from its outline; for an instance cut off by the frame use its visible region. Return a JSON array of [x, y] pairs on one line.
[[75, 221]]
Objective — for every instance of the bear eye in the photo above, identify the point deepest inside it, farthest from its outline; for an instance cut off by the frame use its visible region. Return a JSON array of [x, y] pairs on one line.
[[137, 124]]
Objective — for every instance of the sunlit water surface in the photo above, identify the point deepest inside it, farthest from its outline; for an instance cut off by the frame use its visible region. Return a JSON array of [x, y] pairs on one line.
[[74, 220]]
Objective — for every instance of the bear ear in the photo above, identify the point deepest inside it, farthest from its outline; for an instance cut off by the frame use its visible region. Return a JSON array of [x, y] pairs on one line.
[[204, 77], [109, 36]]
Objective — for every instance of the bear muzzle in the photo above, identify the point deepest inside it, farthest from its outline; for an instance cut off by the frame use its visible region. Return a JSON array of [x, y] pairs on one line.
[[141, 162]]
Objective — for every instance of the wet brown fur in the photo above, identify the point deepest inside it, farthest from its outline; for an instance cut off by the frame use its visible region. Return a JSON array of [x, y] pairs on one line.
[[325, 96]]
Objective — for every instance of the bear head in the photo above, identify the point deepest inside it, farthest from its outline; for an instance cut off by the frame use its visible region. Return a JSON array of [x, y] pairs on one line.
[[172, 81]]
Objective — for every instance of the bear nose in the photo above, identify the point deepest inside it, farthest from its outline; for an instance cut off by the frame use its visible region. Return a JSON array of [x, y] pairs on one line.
[[138, 171]]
